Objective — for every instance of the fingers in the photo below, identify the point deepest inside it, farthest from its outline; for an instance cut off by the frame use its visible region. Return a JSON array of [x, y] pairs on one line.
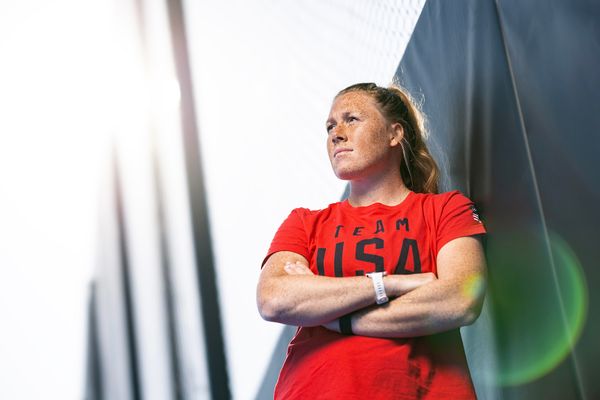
[[297, 268]]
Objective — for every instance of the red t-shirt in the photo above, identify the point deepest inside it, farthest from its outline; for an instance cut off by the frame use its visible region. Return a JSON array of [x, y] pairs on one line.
[[342, 240]]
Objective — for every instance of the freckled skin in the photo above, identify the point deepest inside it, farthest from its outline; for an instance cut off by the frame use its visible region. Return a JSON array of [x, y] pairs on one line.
[[355, 123]]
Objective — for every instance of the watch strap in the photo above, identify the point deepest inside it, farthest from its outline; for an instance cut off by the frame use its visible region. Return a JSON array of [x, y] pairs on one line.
[[380, 295]]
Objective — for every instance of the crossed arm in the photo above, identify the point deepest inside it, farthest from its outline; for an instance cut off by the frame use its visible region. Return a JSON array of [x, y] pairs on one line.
[[421, 304]]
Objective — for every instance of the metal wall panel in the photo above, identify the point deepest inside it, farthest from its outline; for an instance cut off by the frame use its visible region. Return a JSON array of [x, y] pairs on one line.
[[508, 91]]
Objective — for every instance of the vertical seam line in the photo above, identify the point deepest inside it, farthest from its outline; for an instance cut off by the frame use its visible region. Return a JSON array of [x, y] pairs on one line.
[[538, 197]]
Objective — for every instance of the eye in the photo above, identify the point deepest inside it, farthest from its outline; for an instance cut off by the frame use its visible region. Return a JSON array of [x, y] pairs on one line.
[[330, 127], [351, 118]]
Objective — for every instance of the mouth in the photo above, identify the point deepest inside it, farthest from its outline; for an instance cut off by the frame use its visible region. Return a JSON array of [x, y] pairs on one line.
[[340, 151]]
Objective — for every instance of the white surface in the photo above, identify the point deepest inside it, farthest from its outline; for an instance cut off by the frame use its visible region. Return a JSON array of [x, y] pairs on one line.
[[51, 129], [72, 76]]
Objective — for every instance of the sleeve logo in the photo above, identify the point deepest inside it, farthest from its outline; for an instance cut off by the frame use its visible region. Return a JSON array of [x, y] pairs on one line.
[[475, 215]]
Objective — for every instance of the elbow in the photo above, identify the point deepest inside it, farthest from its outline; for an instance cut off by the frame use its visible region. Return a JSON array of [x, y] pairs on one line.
[[472, 301], [272, 307], [280, 309], [266, 301], [268, 309], [470, 316], [471, 312], [273, 302]]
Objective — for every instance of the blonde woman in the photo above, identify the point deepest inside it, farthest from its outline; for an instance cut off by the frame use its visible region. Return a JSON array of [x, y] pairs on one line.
[[379, 283]]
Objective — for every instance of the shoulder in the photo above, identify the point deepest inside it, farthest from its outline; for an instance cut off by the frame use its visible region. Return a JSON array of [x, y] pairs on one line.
[[307, 213], [439, 201], [447, 205], [442, 198]]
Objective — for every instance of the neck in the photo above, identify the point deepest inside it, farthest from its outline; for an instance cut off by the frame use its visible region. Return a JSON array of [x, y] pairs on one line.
[[388, 189]]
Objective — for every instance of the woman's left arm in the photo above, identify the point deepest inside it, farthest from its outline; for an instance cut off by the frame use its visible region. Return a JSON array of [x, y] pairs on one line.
[[451, 301]]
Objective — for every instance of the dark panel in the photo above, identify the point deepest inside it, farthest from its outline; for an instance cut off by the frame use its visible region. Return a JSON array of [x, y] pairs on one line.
[[457, 61], [554, 49], [211, 314], [132, 346], [94, 382], [267, 386], [168, 287], [165, 264]]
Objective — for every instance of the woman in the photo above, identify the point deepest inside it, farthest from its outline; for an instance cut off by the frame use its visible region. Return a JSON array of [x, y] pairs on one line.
[[378, 284]]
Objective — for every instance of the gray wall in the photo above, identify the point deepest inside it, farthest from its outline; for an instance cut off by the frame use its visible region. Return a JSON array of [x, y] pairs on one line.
[[510, 89]]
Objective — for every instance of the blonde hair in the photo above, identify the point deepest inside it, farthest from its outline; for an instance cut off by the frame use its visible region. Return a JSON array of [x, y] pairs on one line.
[[418, 169]]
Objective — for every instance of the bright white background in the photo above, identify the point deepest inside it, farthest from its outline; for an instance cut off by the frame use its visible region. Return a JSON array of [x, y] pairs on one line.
[[54, 92]]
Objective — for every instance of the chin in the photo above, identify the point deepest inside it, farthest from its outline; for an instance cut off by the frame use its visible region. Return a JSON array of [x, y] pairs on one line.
[[345, 174]]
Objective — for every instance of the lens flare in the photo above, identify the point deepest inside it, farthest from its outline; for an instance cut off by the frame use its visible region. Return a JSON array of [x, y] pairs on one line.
[[540, 304], [473, 287]]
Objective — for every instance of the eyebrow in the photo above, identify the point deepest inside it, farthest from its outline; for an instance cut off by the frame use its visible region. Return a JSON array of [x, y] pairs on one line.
[[344, 115]]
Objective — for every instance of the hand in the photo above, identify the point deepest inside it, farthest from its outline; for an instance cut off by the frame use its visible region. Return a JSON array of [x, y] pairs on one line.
[[297, 268]]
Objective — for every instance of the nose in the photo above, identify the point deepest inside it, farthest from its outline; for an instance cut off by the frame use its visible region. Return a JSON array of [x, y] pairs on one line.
[[338, 135]]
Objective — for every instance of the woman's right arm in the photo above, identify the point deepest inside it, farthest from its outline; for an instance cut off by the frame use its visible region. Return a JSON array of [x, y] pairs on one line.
[[306, 299]]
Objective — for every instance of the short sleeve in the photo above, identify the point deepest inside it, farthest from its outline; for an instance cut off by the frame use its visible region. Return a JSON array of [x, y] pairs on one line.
[[458, 218], [291, 236]]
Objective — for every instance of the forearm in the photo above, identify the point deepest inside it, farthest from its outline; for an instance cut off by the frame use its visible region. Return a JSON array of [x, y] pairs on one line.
[[436, 307], [310, 300], [288, 292], [454, 300]]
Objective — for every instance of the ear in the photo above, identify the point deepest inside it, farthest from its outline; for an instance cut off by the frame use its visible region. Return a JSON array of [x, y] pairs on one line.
[[396, 134]]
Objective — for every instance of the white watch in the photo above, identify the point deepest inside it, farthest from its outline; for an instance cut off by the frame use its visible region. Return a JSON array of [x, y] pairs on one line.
[[377, 278]]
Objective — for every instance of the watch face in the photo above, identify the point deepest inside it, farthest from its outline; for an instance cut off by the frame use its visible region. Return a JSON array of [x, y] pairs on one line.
[[382, 300]]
